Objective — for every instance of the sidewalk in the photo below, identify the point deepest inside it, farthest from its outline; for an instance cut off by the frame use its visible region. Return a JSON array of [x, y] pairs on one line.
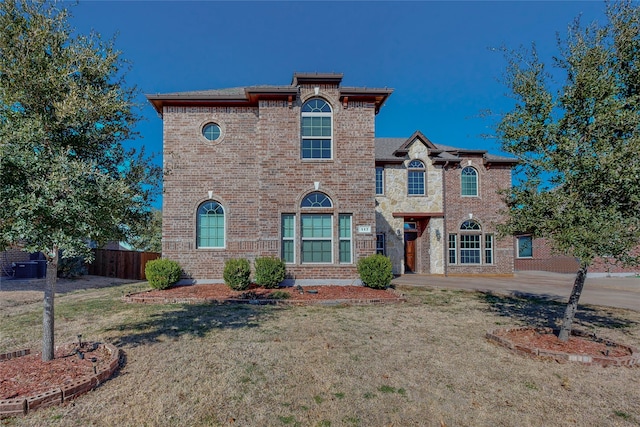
[[621, 292]]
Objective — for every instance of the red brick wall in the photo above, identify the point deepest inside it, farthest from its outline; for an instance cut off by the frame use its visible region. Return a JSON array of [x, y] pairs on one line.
[[256, 173], [485, 209]]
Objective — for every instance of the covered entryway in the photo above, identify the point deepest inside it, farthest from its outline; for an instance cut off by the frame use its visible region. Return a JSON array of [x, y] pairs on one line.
[[416, 239], [410, 237]]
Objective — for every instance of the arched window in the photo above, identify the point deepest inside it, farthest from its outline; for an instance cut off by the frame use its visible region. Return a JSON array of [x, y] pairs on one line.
[[470, 242], [469, 182], [415, 178], [210, 225], [317, 129], [316, 200]]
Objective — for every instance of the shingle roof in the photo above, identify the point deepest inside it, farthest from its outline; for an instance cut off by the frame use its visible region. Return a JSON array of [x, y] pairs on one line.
[[391, 150], [249, 95]]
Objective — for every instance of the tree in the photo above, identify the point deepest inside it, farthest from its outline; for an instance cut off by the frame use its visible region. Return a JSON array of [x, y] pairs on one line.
[[65, 111], [579, 144], [150, 238]]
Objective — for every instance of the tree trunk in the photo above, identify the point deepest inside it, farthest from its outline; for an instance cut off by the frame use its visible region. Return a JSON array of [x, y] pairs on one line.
[[47, 318], [572, 305]]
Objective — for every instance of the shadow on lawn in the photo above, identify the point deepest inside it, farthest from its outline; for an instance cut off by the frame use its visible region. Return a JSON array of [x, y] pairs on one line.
[[546, 311], [171, 322]]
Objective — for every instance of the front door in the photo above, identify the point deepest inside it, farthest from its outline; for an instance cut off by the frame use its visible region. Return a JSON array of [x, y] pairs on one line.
[[410, 251]]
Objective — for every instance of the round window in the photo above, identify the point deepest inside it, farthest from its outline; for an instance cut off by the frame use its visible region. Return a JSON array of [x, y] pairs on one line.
[[211, 131]]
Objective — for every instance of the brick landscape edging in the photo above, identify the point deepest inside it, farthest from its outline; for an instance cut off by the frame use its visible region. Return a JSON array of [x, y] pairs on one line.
[[59, 395], [633, 359]]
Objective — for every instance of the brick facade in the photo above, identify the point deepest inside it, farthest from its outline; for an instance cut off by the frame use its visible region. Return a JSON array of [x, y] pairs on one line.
[[255, 171], [484, 209]]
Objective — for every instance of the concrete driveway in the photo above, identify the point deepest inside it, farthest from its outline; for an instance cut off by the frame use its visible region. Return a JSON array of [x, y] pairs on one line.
[[622, 292]]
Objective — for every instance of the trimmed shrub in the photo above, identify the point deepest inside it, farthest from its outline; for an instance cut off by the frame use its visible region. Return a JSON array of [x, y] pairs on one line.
[[236, 274], [270, 272], [279, 295], [162, 273], [375, 271]]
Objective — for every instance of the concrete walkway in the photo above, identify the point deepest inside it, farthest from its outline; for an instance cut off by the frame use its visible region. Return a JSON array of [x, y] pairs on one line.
[[622, 292]]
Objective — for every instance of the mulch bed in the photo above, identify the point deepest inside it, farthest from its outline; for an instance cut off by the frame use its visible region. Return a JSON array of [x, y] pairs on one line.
[[220, 293], [581, 347], [28, 375]]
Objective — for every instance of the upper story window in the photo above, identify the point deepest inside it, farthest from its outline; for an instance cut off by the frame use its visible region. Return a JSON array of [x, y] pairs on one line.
[[316, 200], [379, 180], [415, 178], [317, 129], [469, 182], [211, 131], [210, 225]]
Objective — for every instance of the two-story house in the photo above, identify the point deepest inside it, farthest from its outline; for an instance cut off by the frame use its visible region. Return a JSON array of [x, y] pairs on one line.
[[295, 171]]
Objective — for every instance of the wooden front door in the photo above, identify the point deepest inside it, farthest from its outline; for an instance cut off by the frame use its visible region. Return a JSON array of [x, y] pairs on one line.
[[410, 251]]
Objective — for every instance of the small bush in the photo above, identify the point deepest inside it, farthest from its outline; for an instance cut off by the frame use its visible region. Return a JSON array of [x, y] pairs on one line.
[[375, 271], [162, 273], [279, 295], [270, 272], [236, 274]]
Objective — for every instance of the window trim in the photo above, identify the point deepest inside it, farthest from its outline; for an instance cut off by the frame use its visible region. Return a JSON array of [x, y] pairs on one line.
[[345, 239], [381, 244], [288, 239], [485, 242], [316, 239], [462, 182], [330, 138], [380, 175], [416, 170], [530, 238], [198, 225]]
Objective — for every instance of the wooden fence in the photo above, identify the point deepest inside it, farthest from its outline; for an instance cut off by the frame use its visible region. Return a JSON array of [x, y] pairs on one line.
[[121, 264]]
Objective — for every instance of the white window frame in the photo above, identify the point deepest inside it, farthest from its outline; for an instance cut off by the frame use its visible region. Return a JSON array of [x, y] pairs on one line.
[[380, 170], [288, 239], [476, 193], [322, 137], [308, 239], [530, 238], [344, 239]]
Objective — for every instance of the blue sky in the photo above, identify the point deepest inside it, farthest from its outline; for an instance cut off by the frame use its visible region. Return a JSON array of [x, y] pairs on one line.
[[438, 57]]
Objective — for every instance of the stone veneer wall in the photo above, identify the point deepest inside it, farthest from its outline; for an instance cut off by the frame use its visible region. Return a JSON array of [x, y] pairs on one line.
[[256, 173], [429, 248]]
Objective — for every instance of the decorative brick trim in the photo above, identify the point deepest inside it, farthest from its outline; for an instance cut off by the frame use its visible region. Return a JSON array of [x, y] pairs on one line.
[[633, 359], [56, 396]]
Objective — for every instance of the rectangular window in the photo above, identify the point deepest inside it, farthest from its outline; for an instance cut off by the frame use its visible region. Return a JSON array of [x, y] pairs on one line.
[[211, 231], [488, 248], [288, 238], [345, 239], [470, 249], [525, 247], [316, 148], [416, 183], [317, 239], [379, 181], [380, 243], [452, 249]]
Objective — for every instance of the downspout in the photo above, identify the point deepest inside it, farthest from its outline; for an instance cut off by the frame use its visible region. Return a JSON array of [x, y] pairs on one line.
[[445, 236]]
